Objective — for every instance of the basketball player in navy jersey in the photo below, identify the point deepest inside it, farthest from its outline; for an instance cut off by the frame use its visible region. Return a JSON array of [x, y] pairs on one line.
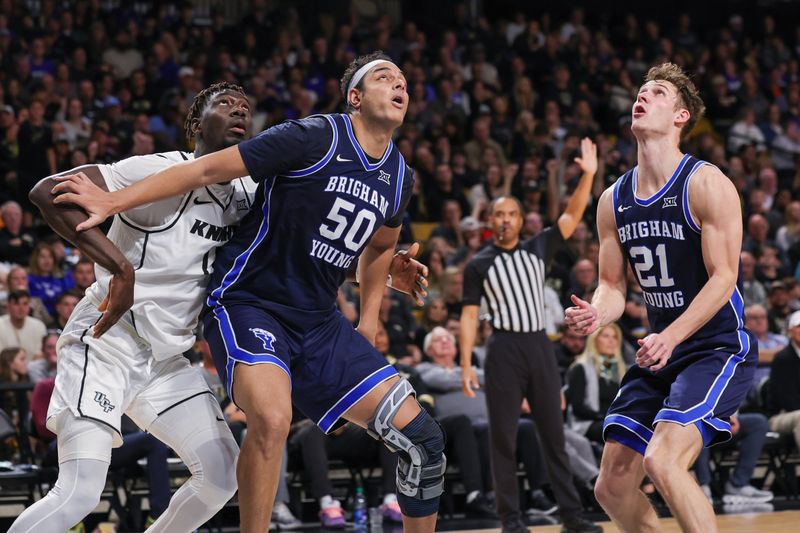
[[331, 188], [678, 222]]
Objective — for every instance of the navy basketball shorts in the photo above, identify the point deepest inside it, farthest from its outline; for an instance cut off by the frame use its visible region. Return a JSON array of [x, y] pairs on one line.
[[703, 387], [330, 366]]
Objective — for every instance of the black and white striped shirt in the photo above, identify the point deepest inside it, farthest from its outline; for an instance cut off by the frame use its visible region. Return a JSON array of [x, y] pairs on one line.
[[511, 282]]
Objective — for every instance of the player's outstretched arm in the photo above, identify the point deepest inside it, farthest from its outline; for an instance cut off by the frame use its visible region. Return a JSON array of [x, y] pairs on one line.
[[175, 180], [64, 218], [608, 302], [573, 213], [715, 207], [373, 269]]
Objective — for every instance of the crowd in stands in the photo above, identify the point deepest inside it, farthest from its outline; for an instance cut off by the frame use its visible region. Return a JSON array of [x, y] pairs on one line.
[[498, 107]]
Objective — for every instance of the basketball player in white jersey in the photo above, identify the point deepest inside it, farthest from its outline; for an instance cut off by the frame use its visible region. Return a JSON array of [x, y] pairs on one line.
[[112, 362]]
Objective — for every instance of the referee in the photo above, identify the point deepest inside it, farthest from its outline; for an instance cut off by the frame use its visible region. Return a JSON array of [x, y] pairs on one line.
[[520, 363]]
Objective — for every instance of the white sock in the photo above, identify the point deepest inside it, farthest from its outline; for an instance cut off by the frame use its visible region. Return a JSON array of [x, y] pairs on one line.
[[472, 495]]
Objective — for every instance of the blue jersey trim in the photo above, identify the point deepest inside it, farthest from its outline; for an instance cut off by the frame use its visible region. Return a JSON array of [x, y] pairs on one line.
[[361, 155], [642, 433], [241, 260], [737, 303], [705, 408], [325, 159], [650, 201], [398, 191], [237, 354], [354, 395], [687, 213]]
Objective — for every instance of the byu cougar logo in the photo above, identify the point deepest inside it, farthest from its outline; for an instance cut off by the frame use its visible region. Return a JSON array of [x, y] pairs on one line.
[[103, 400], [266, 337]]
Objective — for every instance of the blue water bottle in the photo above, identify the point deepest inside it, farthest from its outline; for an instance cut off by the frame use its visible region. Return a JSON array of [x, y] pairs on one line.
[[360, 510]]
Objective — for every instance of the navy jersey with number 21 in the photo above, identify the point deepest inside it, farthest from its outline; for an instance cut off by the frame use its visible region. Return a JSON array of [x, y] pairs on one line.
[[662, 243]]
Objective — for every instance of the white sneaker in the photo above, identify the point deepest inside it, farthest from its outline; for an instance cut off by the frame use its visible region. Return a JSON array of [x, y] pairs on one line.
[[747, 494], [283, 517], [707, 492]]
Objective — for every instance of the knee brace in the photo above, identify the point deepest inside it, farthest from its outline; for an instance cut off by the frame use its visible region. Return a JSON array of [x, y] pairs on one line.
[[420, 446]]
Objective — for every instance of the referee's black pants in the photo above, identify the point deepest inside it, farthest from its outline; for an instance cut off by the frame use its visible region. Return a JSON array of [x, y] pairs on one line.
[[523, 365]]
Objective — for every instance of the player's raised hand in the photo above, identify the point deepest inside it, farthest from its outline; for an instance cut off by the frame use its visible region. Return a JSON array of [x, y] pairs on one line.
[[409, 275], [469, 381], [588, 159], [582, 317], [654, 351], [118, 300], [78, 189]]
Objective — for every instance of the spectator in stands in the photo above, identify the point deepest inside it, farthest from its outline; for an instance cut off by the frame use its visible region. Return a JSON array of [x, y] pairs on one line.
[[17, 280], [569, 346], [65, 304], [593, 382], [481, 140], [442, 376], [45, 278], [788, 235], [37, 157], [471, 237], [449, 227], [452, 290], [749, 432], [769, 343], [745, 132], [16, 242], [784, 384], [83, 275], [433, 314], [13, 369], [779, 308], [753, 291], [17, 329], [46, 366]]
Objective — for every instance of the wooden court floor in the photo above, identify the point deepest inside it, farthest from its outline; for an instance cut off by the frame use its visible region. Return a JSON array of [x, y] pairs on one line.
[[775, 522]]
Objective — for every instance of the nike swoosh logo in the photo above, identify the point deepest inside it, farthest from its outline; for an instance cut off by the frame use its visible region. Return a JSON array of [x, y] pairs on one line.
[[198, 201], [341, 159], [220, 419], [621, 208]]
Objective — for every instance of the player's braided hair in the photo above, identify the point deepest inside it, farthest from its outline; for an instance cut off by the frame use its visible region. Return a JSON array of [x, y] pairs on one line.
[[350, 71], [201, 100]]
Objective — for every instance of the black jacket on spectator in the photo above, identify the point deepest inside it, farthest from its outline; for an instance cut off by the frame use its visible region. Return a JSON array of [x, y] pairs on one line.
[[784, 381]]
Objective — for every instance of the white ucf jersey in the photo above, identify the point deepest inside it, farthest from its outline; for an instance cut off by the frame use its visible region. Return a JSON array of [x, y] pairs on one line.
[[171, 246]]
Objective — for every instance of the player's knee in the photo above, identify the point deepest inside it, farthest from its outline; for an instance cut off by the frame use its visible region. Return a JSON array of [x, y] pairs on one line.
[[269, 429], [607, 491], [658, 466], [420, 445], [420, 470], [214, 473]]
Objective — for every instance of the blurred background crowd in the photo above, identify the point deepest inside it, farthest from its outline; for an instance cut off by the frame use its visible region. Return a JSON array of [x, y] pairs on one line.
[[500, 99]]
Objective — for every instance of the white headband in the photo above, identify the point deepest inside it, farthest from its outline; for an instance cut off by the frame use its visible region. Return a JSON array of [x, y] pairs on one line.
[[360, 73]]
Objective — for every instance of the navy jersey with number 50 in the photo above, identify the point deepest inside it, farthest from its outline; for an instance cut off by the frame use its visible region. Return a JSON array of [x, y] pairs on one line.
[[319, 201], [662, 243]]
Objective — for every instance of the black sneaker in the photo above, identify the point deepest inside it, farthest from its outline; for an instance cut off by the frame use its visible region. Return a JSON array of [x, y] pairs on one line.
[[541, 504], [513, 524], [480, 508], [578, 524]]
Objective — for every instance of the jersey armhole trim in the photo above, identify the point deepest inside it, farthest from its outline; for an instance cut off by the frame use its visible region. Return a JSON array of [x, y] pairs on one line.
[[168, 225], [398, 192], [615, 199], [325, 159], [687, 212]]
